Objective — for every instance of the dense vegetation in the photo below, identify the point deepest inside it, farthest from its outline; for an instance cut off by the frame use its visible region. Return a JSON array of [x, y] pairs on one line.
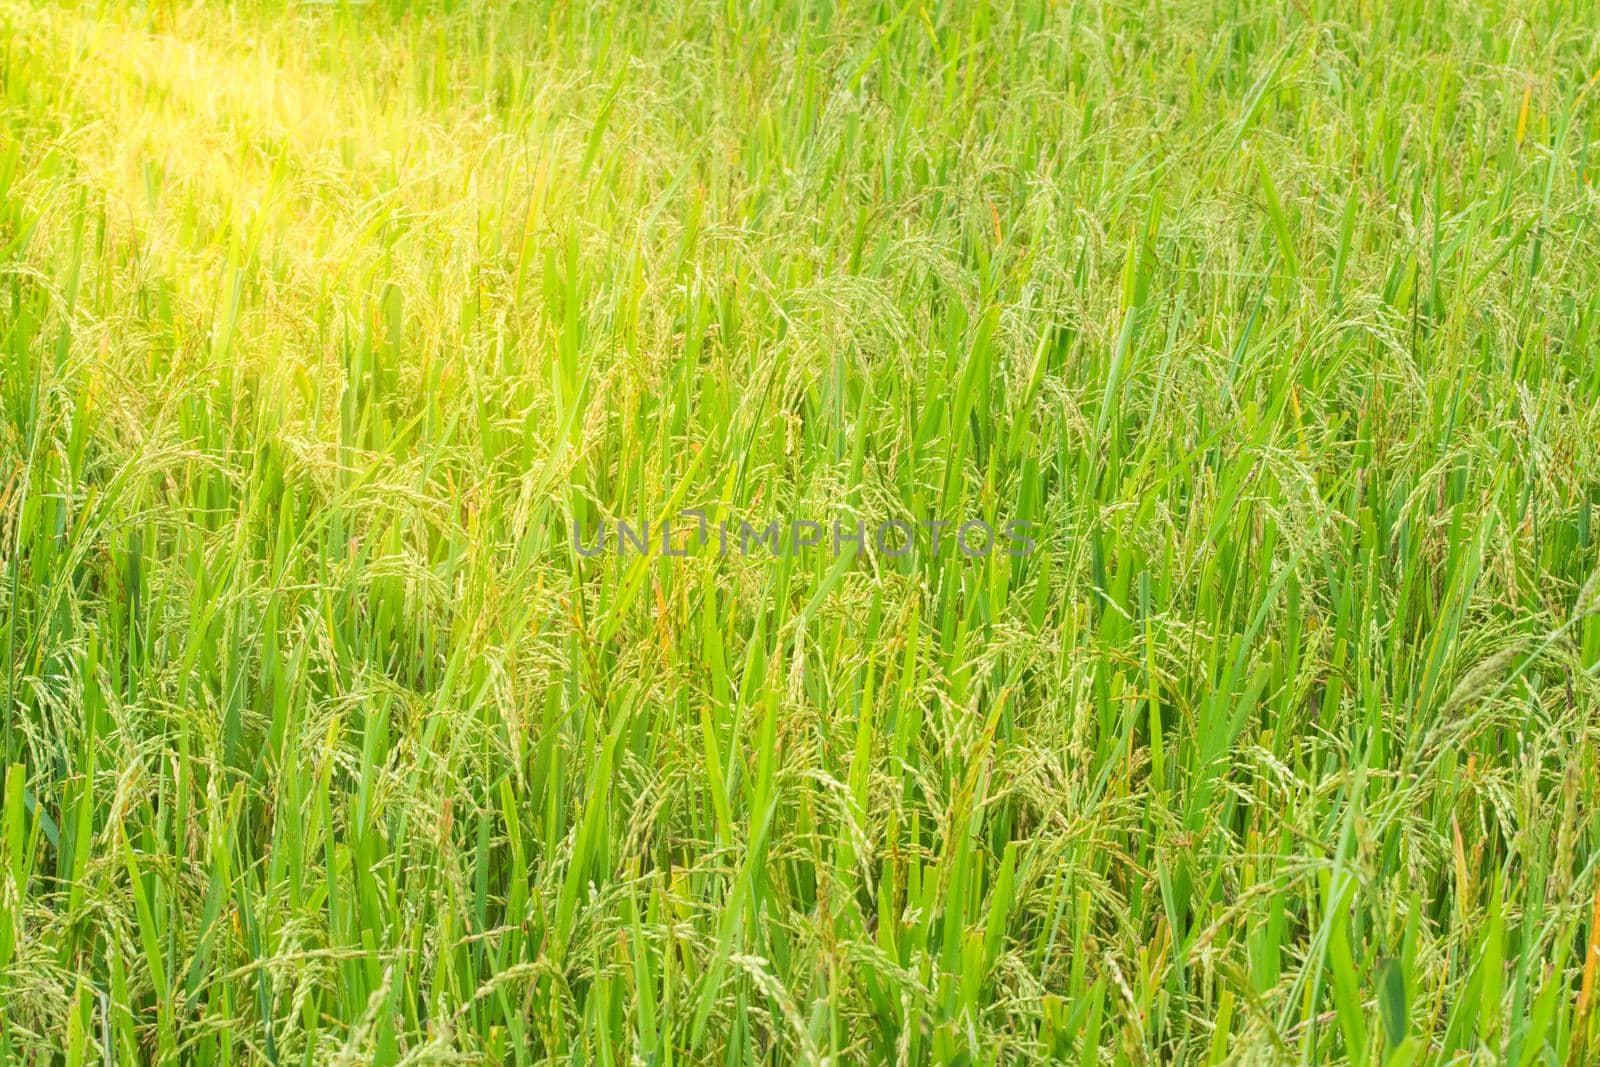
[[322, 325]]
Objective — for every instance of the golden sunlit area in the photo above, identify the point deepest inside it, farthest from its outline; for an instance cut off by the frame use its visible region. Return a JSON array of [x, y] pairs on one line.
[[770, 531]]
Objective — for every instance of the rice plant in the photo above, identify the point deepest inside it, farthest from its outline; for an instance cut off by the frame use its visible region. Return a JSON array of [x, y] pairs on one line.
[[773, 531]]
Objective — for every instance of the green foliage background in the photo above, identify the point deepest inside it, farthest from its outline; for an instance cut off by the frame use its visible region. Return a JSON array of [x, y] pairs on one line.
[[321, 324]]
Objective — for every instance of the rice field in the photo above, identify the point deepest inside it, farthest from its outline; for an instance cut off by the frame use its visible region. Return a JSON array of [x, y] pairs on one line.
[[774, 531]]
